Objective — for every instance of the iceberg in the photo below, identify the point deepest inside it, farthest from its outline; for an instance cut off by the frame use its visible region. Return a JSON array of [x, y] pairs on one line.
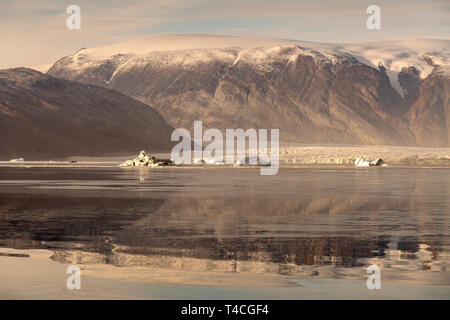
[[361, 162]]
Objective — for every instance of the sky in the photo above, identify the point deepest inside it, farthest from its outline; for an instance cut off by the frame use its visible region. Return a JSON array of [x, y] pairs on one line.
[[34, 32]]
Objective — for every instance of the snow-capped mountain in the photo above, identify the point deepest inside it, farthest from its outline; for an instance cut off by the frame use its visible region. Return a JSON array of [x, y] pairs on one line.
[[392, 92]]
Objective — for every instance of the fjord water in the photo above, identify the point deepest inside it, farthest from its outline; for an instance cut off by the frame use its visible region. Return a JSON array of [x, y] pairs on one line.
[[299, 227]]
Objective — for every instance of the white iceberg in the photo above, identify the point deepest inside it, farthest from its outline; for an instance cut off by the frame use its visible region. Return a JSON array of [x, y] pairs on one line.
[[214, 162], [361, 162], [145, 160]]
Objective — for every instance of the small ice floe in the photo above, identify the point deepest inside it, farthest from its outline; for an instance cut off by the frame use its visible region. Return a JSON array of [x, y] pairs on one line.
[[214, 162], [145, 160], [254, 160], [198, 161], [361, 162], [210, 162], [17, 160]]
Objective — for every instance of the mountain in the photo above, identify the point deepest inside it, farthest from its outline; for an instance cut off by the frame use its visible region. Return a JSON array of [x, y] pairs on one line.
[[429, 115], [392, 92], [42, 117]]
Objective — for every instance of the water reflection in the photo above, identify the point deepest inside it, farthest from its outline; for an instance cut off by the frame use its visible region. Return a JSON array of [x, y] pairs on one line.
[[298, 223]]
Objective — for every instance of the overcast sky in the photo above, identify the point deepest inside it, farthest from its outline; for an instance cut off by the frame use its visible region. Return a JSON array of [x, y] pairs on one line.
[[34, 32]]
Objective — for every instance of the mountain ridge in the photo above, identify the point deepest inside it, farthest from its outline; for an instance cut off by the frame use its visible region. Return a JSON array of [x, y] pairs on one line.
[[42, 118], [313, 92]]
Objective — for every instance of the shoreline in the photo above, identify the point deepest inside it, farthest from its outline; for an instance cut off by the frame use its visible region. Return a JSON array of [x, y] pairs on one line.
[[291, 155], [107, 164]]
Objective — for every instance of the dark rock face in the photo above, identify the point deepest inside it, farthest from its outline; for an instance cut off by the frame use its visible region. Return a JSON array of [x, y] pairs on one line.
[[429, 115], [309, 97], [409, 79], [42, 118]]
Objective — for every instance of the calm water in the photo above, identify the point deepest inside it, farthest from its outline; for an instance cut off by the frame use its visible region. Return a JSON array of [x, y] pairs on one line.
[[299, 223]]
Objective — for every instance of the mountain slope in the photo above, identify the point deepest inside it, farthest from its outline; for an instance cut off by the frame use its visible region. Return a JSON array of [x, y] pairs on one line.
[[42, 117], [429, 115], [312, 92]]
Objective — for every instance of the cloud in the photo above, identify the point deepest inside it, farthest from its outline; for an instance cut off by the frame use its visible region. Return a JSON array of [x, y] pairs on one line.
[[38, 27]]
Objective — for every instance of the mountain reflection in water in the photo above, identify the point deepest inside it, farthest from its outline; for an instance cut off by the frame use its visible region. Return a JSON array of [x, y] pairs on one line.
[[294, 223]]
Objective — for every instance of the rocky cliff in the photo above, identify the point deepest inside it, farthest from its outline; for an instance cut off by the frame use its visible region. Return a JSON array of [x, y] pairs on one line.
[[393, 93]]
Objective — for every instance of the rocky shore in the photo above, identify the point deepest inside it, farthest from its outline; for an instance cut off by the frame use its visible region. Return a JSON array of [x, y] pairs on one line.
[[296, 154]]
